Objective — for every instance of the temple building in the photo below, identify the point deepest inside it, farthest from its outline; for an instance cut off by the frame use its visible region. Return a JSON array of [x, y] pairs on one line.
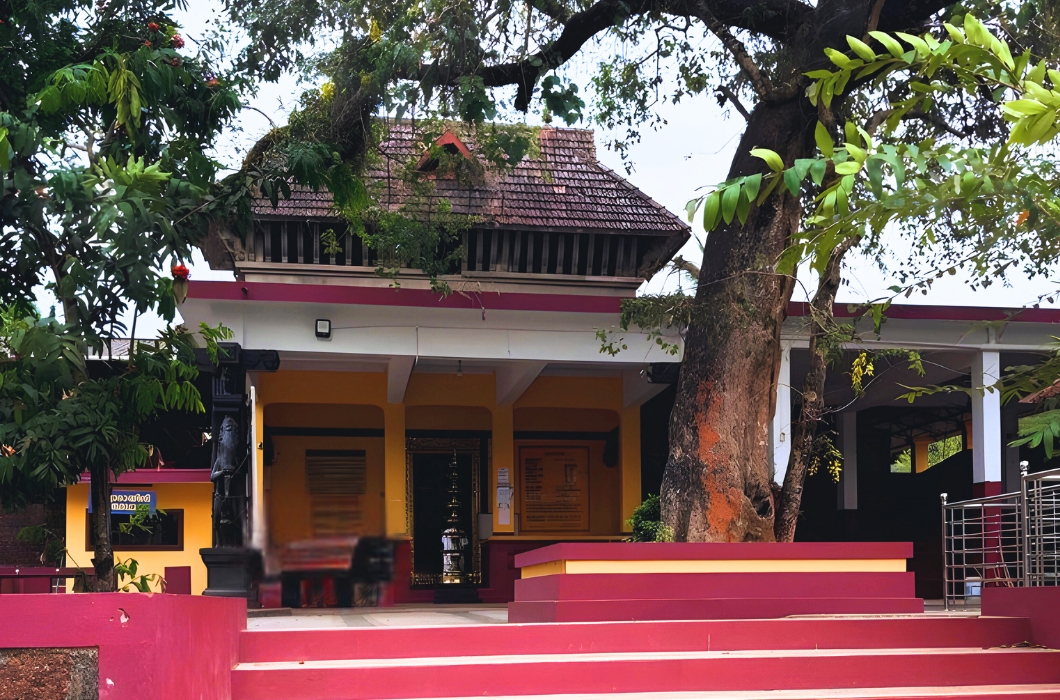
[[470, 423], [383, 383]]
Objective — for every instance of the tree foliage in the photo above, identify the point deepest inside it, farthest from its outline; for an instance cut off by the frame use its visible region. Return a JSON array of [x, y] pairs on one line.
[[59, 420], [106, 120], [985, 206]]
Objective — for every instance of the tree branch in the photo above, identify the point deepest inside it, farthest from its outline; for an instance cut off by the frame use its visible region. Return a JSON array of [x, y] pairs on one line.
[[553, 9], [938, 121], [727, 94], [759, 82], [776, 19]]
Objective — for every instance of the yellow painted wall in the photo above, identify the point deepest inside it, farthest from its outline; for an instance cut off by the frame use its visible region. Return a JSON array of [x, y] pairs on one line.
[[565, 419], [287, 502], [447, 417], [573, 392], [291, 415], [554, 403], [196, 500], [603, 486]]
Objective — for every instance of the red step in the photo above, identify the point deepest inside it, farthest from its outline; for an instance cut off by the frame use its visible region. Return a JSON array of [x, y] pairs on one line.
[[687, 586], [979, 692], [644, 672], [704, 609], [606, 637]]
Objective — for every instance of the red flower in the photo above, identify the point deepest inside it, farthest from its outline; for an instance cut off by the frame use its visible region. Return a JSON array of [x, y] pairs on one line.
[[147, 43], [213, 82], [178, 41], [180, 272], [153, 26]]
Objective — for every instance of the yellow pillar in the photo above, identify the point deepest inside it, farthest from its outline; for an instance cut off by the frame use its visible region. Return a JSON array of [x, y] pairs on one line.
[[503, 458], [259, 530], [920, 454], [394, 461], [629, 454]]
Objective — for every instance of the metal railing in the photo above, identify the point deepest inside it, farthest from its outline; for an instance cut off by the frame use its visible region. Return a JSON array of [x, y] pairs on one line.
[[1012, 539], [982, 545], [1041, 526]]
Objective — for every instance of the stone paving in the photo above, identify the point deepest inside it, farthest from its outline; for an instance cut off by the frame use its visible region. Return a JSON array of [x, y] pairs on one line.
[[435, 616], [398, 616]]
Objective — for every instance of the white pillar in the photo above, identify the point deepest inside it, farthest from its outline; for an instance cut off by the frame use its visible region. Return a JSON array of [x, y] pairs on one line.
[[848, 445], [986, 418], [780, 428]]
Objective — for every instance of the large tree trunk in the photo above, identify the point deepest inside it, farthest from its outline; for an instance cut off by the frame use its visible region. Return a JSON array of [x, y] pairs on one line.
[[804, 431], [717, 485], [103, 559]]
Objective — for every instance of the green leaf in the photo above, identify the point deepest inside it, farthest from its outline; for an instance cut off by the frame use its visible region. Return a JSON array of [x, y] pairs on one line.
[[861, 49], [917, 43], [857, 153], [772, 158], [5, 147], [1022, 108], [956, 35], [751, 185], [691, 206], [711, 209], [730, 197], [1037, 74], [849, 167], [818, 170], [824, 140], [743, 208], [792, 181], [789, 259], [874, 171], [889, 43], [838, 57]]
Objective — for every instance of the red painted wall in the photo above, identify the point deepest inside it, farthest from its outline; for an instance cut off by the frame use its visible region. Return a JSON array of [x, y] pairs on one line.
[[1041, 604], [150, 645]]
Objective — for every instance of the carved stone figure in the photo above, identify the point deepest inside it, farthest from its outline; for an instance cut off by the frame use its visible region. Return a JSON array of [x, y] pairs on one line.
[[225, 466]]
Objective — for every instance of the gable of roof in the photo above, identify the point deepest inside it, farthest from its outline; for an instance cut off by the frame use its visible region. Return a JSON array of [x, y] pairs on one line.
[[563, 188]]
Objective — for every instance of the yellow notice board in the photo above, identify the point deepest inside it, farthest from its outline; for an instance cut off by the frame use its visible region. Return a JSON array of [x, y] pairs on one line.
[[555, 492]]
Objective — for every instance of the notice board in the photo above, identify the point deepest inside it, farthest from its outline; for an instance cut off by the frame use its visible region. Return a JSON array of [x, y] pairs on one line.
[[555, 489]]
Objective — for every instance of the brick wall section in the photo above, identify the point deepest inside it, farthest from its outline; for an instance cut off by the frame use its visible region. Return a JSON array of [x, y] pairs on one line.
[[13, 552]]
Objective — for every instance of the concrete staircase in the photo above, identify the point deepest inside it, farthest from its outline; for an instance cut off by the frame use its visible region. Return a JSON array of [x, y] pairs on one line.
[[921, 656]]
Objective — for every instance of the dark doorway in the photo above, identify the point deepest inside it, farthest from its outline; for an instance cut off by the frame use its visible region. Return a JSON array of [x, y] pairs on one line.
[[433, 491]]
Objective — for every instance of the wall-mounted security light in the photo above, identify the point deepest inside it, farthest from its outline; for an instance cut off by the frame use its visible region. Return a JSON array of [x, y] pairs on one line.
[[323, 329]]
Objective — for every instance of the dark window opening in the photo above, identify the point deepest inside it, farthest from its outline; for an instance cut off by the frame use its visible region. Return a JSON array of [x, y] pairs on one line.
[[583, 256], [166, 532], [276, 241]]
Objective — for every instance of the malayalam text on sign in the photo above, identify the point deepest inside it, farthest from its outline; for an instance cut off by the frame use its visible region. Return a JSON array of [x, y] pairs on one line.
[[555, 489]]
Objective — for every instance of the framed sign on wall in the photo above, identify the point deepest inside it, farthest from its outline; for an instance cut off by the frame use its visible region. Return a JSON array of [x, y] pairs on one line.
[[555, 488]]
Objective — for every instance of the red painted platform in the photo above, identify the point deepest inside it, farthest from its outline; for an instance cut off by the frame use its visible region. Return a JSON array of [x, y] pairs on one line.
[[704, 609], [586, 582], [678, 586], [675, 551]]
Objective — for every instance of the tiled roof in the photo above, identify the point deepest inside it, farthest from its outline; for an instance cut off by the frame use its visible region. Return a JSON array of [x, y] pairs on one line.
[[564, 188]]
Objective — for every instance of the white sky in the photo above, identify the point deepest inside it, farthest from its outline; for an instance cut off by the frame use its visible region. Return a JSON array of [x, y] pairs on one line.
[[693, 149]]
